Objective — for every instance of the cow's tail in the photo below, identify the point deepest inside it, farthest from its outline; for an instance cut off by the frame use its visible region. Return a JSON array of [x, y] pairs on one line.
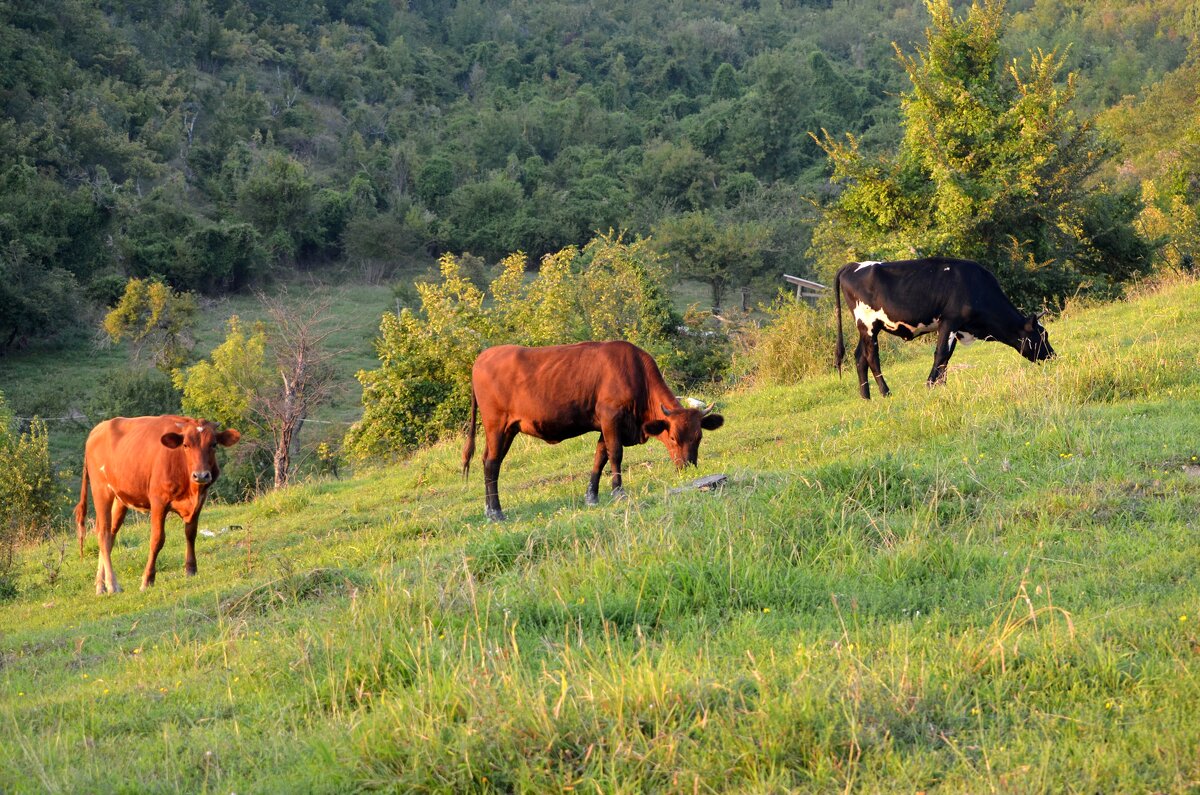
[[469, 447], [840, 353], [81, 509]]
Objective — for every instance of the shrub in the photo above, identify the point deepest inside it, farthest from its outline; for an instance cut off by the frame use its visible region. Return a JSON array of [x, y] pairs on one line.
[[796, 343], [134, 392], [26, 490], [422, 387]]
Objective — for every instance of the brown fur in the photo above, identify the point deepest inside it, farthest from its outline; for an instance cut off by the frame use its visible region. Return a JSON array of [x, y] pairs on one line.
[[152, 464], [562, 391]]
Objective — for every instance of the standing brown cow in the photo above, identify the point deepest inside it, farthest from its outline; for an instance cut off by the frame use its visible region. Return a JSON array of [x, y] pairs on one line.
[[155, 464], [563, 391]]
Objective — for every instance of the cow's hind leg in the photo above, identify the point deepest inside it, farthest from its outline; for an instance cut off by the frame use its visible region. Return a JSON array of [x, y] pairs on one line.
[[873, 362], [106, 576], [941, 355], [593, 492], [860, 364], [495, 448], [119, 509], [106, 511], [158, 521]]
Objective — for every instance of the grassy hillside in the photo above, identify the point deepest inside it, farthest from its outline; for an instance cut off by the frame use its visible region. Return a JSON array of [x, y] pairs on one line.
[[59, 383], [987, 586]]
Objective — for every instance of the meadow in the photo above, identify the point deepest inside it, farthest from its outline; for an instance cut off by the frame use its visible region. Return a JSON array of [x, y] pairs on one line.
[[987, 586]]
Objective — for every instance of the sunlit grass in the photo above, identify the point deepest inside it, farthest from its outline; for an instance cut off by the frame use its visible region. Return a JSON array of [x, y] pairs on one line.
[[988, 586]]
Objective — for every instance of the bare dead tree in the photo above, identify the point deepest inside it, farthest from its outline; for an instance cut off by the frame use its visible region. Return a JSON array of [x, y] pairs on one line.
[[298, 333]]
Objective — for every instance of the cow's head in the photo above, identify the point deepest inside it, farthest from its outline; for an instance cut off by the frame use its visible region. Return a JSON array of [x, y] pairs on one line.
[[1032, 342], [681, 430], [198, 442]]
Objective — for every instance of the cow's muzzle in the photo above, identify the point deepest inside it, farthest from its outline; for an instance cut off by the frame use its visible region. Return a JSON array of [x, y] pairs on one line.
[[202, 477]]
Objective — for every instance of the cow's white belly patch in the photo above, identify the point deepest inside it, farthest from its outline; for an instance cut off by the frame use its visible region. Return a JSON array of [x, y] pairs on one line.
[[868, 317], [964, 337]]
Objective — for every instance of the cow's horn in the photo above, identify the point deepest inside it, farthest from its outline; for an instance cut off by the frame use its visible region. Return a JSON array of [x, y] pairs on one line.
[[665, 410], [1040, 315], [710, 408]]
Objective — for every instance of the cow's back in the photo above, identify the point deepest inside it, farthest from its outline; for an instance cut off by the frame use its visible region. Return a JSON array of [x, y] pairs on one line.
[[127, 453], [930, 287], [557, 376], [555, 392]]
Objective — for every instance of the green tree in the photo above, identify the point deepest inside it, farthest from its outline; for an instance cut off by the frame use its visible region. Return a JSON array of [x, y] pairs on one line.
[[721, 254], [277, 198], [222, 388], [153, 316], [993, 166]]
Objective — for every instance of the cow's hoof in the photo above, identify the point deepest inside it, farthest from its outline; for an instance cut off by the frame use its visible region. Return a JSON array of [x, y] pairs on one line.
[[100, 589], [591, 500], [190, 572], [619, 494], [146, 585], [495, 516]]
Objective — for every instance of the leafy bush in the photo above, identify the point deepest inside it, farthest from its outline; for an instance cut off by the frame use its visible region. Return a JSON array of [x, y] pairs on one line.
[[422, 387], [702, 349], [26, 490], [221, 389], [134, 392]]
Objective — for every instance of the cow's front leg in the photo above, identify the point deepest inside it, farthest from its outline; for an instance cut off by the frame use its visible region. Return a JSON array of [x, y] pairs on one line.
[[941, 355], [873, 361], [611, 437], [158, 521], [593, 491], [189, 534]]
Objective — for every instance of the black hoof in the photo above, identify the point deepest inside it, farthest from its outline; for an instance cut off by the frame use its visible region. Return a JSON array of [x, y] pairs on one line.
[[618, 494], [591, 499], [495, 516]]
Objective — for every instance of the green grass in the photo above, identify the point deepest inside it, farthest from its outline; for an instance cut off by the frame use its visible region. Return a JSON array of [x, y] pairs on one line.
[[989, 586]]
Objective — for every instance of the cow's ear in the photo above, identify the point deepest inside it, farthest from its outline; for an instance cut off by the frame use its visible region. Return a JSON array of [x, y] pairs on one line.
[[712, 421], [654, 427], [228, 437], [172, 440]]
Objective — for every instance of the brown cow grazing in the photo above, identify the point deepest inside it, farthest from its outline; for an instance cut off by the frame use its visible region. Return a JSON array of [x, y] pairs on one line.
[[154, 464], [563, 391]]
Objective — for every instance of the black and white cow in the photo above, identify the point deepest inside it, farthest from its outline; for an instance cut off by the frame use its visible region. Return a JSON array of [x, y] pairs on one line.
[[959, 299]]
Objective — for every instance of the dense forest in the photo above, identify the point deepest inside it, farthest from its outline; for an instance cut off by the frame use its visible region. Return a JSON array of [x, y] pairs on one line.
[[213, 144]]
